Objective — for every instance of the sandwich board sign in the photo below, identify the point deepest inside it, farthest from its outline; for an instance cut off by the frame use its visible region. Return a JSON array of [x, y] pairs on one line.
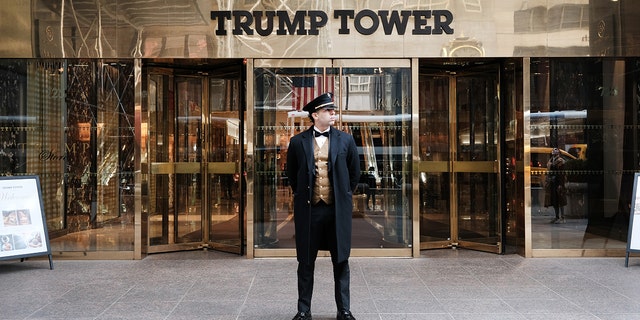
[[23, 228]]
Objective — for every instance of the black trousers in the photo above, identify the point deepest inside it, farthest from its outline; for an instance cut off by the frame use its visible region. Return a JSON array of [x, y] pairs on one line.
[[323, 236]]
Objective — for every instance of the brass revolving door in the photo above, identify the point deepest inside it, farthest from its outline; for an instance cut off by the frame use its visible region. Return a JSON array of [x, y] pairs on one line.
[[195, 157], [459, 152]]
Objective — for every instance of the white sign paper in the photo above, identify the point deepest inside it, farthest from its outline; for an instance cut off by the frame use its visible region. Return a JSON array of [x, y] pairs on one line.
[[23, 229]]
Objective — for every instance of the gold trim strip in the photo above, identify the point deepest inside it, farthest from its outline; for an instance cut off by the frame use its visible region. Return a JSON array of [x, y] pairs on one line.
[[433, 166], [248, 158], [361, 252], [427, 245], [162, 168], [222, 167], [475, 166], [575, 253], [494, 248], [191, 167], [458, 166], [187, 167], [163, 248]]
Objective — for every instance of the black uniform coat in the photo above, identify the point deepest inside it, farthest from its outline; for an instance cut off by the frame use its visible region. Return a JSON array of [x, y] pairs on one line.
[[344, 173]]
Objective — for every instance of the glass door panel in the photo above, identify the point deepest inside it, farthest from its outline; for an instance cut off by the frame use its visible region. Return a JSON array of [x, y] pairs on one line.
[[282, 88], [478, 217], [459, 138], [476, 164], [375, 107], [175, 219], [435, 220], [435, 165], [188, 216], [225, 184]]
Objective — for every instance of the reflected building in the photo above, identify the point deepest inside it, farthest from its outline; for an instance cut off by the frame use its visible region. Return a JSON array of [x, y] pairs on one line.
[[162, 125]]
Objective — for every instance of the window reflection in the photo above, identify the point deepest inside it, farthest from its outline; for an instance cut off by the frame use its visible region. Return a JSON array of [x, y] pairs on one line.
[[580, 107], [79, 140]]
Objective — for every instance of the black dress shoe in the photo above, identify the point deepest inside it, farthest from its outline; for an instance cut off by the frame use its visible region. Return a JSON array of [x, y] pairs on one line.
[[345, 315], [302, 316]]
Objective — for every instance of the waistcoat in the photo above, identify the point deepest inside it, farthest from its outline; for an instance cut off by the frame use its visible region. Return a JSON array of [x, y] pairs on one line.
[[322, 189]]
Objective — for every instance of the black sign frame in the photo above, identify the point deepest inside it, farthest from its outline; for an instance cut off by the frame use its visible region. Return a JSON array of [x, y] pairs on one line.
[[633, 237]]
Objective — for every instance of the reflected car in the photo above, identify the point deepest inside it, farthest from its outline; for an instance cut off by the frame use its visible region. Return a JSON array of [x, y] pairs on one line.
[[539, 158]]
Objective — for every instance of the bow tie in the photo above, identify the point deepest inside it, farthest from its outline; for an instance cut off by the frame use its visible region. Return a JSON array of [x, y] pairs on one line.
[[317, 134]]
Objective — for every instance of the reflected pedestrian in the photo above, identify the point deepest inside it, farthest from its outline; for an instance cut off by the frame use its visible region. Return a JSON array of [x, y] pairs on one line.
[[371, 191], [555, 190]]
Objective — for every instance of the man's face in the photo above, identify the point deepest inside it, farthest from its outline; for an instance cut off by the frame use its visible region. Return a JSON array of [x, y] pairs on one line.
[[324, 118]]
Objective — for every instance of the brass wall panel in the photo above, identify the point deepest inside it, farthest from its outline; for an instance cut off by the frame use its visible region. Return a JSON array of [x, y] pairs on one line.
[[192, 29], [16, 26]]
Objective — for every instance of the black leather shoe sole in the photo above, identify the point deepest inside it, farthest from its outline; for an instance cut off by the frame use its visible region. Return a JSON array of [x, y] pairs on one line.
[[345, 315], [302, 316]]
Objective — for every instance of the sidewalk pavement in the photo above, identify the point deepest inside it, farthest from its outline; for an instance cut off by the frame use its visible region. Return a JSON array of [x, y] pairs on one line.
[[441, 284]]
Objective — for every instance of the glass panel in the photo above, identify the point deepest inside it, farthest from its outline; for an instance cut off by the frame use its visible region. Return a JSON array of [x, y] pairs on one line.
[[588, 109], [477, 122], [279, 96], [435, 218], [115, 137], [477, 140], [188, 215], [434, 118], [478, 214], [161, 136], [45, 105], [435, 200], [225, 148], [377, 112], [375, 107], [175, 153]]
